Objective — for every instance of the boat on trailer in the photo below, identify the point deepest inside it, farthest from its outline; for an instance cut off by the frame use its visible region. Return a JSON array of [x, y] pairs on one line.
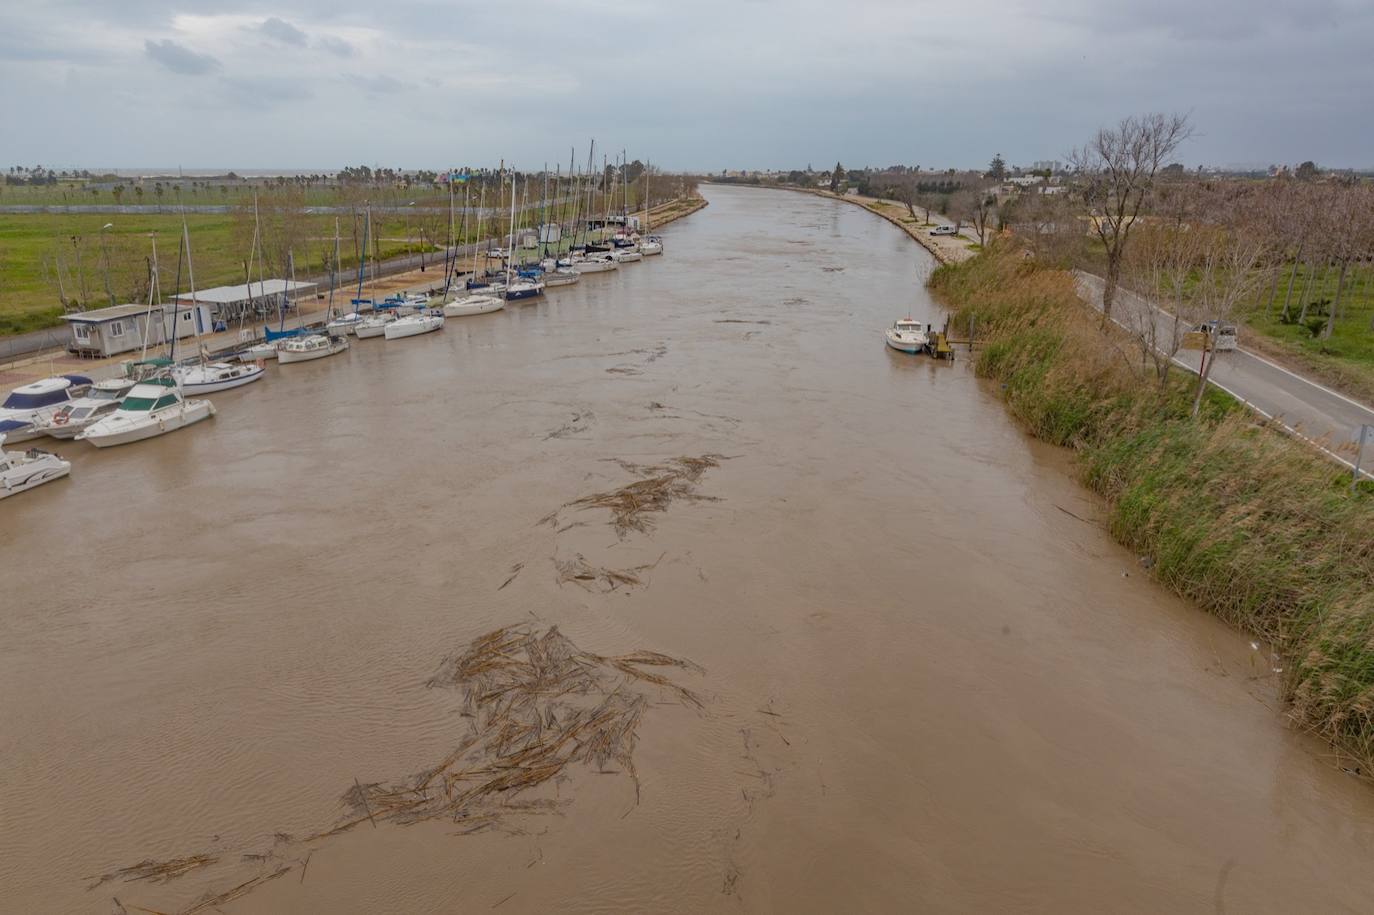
[[908, 336]]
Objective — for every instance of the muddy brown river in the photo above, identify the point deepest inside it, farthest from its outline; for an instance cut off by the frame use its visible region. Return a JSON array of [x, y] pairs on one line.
[[930, 681]]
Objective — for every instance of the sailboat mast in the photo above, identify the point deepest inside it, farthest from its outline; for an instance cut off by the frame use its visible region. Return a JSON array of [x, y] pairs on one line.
[[334, 269], [191, 273], [510, 246], [154, 295]]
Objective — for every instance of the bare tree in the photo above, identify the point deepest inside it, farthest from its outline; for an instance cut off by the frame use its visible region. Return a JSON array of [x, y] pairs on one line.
[[1226, 275], [1352, 232], [1160, 265], [1116, 172], [982, 211]]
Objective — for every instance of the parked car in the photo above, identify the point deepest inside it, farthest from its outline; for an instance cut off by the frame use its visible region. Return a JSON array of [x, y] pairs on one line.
[[943, 230], [1222, 336]]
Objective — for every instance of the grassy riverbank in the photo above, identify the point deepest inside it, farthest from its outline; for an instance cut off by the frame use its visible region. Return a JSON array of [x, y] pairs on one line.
[[1248, 523], [44, 256]]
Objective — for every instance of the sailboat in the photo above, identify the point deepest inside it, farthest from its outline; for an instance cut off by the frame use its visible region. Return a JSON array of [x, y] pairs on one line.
[[517, 287], [649, 244], [478, 302], [308, 347], [342, 324]]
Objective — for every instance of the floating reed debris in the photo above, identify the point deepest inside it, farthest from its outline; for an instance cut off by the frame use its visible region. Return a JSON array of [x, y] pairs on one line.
[[156, 871], [595, 578], [663, 484], [534, 704]]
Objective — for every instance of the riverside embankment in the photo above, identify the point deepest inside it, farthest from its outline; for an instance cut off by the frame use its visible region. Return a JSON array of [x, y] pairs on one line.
[[24, 357], [930, 679], [1234, 514]]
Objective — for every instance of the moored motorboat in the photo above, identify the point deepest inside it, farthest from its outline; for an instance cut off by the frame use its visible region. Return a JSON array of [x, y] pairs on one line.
[[626, 255], [907, 335], [314, 346], [101, 400], [473, 305], [35, 402], [374, 325], [23, 470], [650, 246], [413, 325], [152, 407], [206, 378]]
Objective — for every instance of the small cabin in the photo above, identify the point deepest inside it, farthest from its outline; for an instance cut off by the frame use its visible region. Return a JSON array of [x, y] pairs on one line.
[[117, 329]]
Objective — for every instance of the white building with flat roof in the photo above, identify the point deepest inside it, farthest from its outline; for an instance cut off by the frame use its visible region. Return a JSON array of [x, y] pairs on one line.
[[119, 329]]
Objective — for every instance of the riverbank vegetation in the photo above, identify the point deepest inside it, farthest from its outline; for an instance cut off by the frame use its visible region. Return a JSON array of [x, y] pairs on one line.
[[1247, 522]]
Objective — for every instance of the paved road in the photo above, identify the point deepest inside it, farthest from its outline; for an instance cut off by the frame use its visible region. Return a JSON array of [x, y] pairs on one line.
[[1307, 409]]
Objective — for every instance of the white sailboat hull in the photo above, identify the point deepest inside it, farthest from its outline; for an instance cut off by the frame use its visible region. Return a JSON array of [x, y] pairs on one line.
[[594, 266], [413, 326], [336, 345], [626, 256], [473, 305], [368, 329], [650, 248], [192, 383], [259, 351], [560, 279], [121, 430]]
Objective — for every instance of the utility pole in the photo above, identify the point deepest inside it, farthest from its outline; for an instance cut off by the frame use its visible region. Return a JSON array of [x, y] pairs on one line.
[[105, 259], [1359, 456]]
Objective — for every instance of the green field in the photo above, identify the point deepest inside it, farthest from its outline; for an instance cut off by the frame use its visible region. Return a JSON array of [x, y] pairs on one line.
[[1347, 357], [48, 259]]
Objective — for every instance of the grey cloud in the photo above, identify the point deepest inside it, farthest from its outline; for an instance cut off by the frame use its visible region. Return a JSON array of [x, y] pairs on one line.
[[380, 84], [265, 91], [283, 31], [179, 59], [335, 46]]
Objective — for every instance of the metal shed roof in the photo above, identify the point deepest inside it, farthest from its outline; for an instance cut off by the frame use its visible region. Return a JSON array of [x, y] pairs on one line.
[[224, 295], [108, 313]]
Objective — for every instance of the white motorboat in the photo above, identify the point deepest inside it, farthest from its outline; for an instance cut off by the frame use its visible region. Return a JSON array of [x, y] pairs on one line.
[[152, 407], [344, 324], [473, 305], [374, 325], [314, 346], [216, 376], [259, 351], [100, 401], [23, 470], [651, 246], [595, 263], [413, 325], [35, 402], [627, 255], [907, 335]]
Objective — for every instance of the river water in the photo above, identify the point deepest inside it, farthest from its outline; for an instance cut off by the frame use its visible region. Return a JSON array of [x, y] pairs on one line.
[[931, 680]]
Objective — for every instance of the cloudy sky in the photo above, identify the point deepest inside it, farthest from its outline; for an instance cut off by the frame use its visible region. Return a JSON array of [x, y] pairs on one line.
[[705, 84]]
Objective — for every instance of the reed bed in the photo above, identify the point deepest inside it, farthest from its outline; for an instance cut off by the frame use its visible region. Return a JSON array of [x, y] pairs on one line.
[[1242, 519]]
